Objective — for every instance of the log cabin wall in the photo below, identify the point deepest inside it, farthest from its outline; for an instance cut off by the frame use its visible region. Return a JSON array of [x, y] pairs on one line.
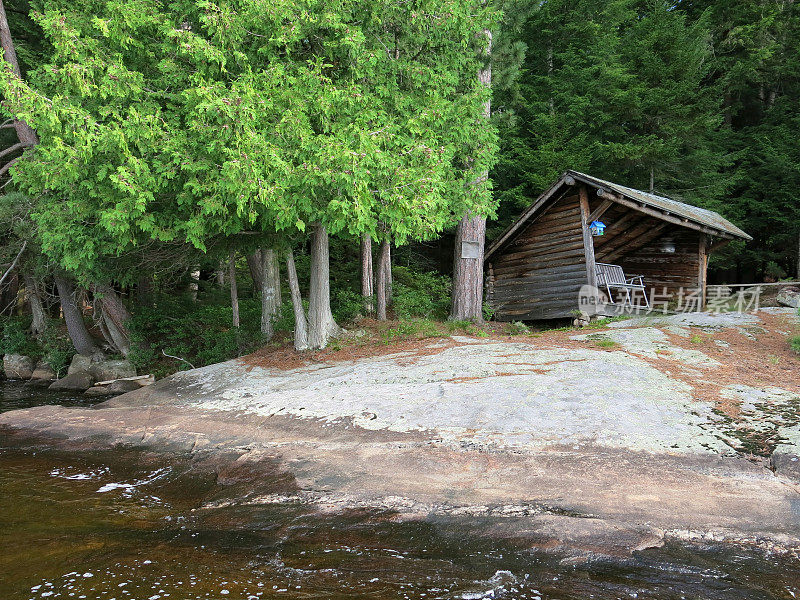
[[662, 269], [539, 274]]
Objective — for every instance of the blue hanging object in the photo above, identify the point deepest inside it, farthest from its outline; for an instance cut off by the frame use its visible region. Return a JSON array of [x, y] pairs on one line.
[[597, 228]]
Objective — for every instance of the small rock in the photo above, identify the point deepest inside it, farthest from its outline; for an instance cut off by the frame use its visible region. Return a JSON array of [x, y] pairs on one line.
[[790, 297], [44, 371], [79, 382], [18, 366]]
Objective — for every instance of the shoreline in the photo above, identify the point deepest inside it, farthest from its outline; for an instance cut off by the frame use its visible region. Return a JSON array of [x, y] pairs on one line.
[[486, 431]]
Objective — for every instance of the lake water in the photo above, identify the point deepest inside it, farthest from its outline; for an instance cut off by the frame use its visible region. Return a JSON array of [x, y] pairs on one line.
[[130, 524]]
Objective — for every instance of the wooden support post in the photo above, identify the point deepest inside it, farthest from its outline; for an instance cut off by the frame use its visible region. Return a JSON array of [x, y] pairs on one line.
[[703, 270], [588, 242]]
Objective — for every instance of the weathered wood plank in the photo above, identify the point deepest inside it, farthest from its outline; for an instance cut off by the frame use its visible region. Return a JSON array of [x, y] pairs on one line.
[[548, 249], [531, 266], [636, 243]]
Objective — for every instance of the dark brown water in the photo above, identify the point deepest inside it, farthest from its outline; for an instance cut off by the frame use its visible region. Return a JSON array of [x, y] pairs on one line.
[[127, 524]]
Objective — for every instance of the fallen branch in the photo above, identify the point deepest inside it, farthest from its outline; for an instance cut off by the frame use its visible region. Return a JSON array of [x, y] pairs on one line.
[[14, 263], [177, 358]]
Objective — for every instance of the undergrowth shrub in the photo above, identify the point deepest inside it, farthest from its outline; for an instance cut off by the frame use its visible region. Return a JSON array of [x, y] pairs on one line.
[[199, 332], [346, 305], [417, 294], [57, 349], [15, 337]]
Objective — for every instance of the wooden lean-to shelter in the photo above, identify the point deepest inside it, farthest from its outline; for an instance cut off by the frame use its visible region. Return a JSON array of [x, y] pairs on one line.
[[537, 267]]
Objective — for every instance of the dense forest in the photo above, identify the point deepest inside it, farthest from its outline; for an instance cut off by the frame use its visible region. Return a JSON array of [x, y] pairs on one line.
[[184, 181]]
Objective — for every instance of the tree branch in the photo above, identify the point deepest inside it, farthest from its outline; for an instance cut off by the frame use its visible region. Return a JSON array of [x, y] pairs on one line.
[[7, 166], [11, 149], [14, 263]]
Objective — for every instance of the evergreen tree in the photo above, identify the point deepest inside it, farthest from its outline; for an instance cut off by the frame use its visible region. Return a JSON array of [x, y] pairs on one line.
[[616, 89]]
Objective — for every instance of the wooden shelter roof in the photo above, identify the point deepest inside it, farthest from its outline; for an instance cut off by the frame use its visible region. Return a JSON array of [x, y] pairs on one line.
[[666, 209]]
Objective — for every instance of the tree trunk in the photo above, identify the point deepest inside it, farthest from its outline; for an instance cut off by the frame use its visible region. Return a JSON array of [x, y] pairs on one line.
[[384, 266], [270, 290], [73, 316], [300, 319], [194, 282], [322, 327], [234, 290], [387, 274], [114, 314], [34, 297], [467, 301], [25, 132], [255, 265], [367, 276], [219, 274]]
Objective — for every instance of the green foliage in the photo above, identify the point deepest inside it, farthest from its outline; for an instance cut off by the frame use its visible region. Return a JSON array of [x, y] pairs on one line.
[[15, 337], [284, 320], [403, 329], [458, 326], [517, 328], [53, 346], [411, 328], [198, 332], [57, 350], [795, 343], [191, 122], [612, 88], [346, 304], [604, 342], [774, 271], [418, 294]]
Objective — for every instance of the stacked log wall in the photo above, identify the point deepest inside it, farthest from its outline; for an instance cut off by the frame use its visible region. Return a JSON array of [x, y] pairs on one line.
[[539, 274], [667, 270]]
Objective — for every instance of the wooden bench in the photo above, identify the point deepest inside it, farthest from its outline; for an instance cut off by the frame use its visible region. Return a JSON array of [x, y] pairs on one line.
[[612, 277]]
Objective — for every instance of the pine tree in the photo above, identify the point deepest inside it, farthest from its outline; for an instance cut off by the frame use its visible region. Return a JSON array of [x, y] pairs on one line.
[[617, 89]]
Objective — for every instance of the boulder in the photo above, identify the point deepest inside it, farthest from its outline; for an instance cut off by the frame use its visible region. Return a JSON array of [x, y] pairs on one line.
[[80, 364], [789, 296], [105, 370], [77, 382], [18, 366], [44, 371], [100, 368]]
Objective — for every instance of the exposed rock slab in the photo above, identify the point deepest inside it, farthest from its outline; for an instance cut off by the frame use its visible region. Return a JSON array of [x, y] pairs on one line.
[[591, 445]]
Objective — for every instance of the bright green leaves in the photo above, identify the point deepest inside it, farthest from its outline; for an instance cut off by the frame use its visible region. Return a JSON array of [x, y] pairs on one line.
[[196, 120]]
